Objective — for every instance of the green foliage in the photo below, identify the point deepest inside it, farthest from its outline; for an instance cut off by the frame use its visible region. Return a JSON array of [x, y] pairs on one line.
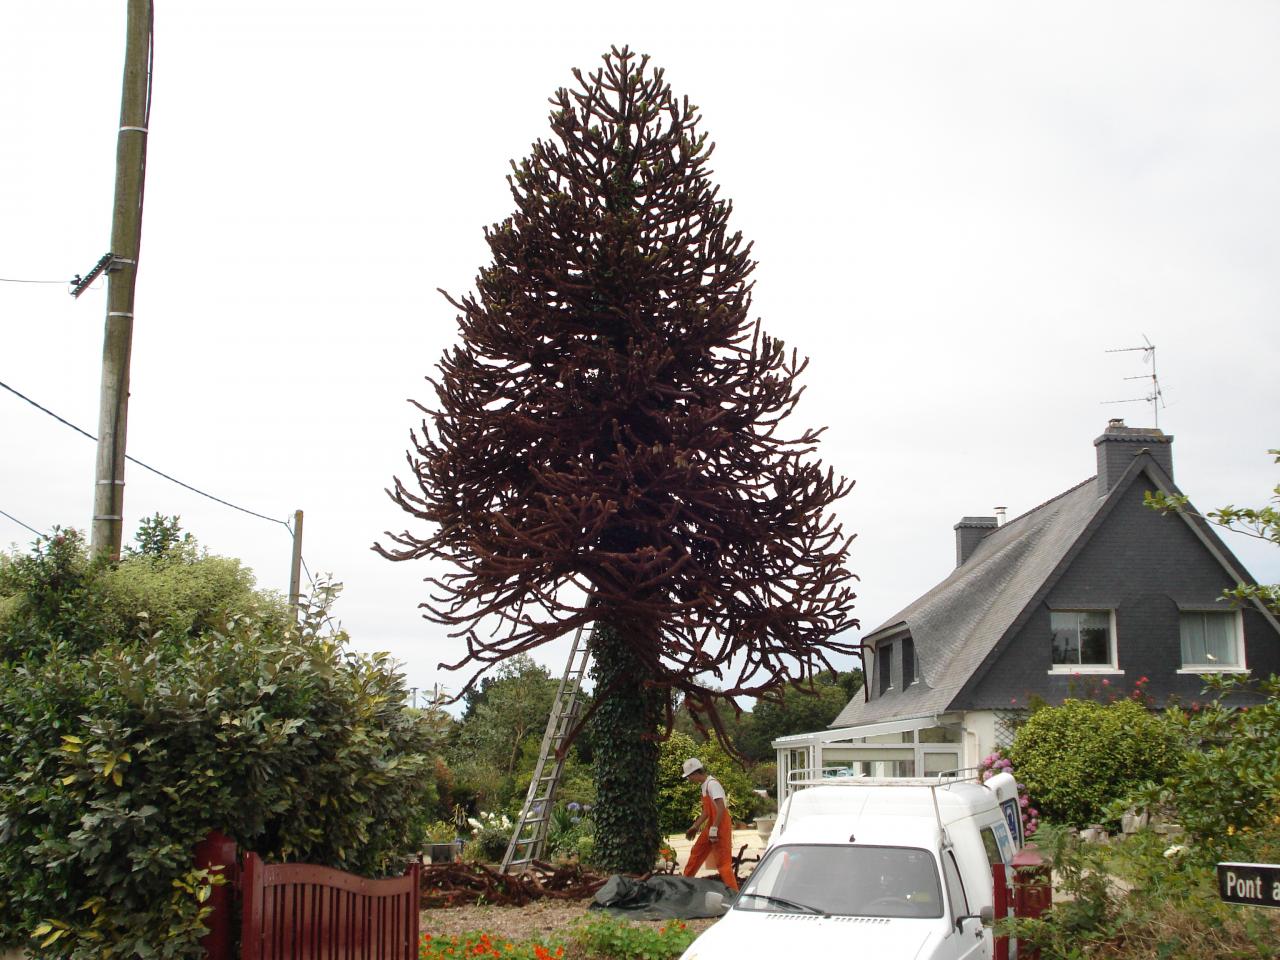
[[626, 755], [1143, 898], [160, 536], [571, 833], [1226, 789], [490, 835], [167, 590], [679, 800], [617, 939], [1078, 758], [495, 746], [1152, 896], [796, 711], [122, 754], [53, 591]]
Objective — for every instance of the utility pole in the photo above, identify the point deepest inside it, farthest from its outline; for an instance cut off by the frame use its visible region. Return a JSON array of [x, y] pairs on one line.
[[126, 231], [295, 569]]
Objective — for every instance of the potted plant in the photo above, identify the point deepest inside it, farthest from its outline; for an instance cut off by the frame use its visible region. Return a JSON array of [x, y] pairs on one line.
[[442, 843]]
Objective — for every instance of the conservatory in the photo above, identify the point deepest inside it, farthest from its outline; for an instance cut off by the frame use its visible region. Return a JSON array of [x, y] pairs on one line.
[[917, 747]]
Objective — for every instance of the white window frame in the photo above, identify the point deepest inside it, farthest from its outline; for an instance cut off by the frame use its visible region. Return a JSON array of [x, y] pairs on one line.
[[1113, 643], [1200, 669]]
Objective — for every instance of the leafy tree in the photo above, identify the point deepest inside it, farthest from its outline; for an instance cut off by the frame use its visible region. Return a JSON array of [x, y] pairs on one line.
[[605, 445], [797, 711], [503, 724]]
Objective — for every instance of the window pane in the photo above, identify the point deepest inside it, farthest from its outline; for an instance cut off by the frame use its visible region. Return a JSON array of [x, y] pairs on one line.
[[955, 889], [1192, 628], [1209, 639], [1219, 638], [936, 763], [845, 881], [908, 662], [1066, 637], [1095, 638], [884, 655], [992, 846]]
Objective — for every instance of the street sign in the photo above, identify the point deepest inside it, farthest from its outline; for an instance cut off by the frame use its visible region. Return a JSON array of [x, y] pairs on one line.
[[1255, 884]]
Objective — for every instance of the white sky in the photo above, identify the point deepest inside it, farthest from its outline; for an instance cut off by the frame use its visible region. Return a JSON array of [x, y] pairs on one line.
[[956, 208]]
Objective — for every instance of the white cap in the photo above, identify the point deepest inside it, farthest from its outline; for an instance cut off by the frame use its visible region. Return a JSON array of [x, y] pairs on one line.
[[692, 765]]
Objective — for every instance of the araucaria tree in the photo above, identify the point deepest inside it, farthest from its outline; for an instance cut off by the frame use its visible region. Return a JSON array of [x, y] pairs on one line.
[[605, 445]]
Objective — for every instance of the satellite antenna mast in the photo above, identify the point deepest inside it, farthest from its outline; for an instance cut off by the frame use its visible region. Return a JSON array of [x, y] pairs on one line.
[[1156, 396]]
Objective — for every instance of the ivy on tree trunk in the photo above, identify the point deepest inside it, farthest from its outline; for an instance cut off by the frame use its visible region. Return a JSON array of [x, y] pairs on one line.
[[625, 724]]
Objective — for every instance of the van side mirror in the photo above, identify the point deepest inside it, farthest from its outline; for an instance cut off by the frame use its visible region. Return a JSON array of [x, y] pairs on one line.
[[987, 915], [714, 902]]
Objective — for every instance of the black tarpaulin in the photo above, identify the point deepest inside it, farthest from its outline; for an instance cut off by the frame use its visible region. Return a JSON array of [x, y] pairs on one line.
[[660, 898]]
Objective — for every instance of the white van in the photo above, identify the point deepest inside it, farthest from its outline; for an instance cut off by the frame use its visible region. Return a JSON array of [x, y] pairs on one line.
[[900, 868]]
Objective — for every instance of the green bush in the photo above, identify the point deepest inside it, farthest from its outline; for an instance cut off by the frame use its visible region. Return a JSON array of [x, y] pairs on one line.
[[1225, 791], [168, 591], [679, 800], [1078, 758], [121, 757]]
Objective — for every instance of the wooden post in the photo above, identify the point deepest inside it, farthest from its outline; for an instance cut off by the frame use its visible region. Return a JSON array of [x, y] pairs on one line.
[[217, 851], [126, 233], [295, 571]]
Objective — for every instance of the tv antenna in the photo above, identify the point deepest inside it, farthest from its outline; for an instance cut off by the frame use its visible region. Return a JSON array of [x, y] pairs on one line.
[[1156, 396]]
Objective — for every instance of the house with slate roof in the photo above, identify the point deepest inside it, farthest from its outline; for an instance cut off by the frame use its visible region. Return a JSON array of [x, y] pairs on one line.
[[1090, 592]]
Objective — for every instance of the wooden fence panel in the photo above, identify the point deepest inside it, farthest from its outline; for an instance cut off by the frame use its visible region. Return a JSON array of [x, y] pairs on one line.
[[296, 911]]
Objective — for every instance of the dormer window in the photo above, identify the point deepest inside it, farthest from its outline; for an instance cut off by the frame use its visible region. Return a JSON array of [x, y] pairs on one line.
[[908, 662], [884, 667]]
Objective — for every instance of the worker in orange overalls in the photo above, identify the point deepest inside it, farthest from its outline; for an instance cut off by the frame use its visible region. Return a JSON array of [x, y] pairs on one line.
[[715, 824]]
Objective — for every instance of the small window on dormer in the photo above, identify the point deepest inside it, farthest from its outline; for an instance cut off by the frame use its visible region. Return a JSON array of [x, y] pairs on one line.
[[908, 662], [884, 665]]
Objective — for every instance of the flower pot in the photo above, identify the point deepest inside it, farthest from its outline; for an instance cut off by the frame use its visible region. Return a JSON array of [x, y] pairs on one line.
[[764, 826], [443, 852]]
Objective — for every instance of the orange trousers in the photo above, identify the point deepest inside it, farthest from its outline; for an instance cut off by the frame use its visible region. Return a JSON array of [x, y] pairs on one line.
[[720, 852]]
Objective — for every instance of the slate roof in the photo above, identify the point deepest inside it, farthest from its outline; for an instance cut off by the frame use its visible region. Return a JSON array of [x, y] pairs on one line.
[[957, 623]]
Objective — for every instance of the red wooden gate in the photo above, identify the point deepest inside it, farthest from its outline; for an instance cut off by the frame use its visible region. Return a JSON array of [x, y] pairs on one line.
[[296, 911]]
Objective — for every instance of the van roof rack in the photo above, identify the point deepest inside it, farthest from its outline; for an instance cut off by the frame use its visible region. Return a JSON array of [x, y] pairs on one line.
[[838, 776]]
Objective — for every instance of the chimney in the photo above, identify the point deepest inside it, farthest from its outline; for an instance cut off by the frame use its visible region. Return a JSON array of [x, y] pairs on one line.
[[1119, 444], [969, 533]]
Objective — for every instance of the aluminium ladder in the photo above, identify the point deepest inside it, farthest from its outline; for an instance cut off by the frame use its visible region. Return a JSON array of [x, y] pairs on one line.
[[530, 834]]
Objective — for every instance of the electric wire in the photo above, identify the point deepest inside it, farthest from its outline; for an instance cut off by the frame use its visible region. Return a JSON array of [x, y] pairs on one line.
[[146, 466], [21, 524], [16, 280]]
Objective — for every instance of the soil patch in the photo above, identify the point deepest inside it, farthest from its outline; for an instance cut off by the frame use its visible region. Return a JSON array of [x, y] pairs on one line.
[[540, 919]]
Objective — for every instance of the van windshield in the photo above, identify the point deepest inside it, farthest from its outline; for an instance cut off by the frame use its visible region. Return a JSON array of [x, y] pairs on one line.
[[845, 881]]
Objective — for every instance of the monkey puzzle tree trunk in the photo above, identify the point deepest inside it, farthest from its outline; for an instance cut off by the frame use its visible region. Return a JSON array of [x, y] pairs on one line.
[[625, 726]]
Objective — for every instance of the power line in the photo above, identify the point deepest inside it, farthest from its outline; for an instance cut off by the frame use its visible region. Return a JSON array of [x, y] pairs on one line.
[[145, 466], [21, 524], [13, 280]]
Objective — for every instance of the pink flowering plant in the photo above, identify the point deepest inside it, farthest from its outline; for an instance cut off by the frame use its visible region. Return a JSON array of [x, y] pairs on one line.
[[996, 763]]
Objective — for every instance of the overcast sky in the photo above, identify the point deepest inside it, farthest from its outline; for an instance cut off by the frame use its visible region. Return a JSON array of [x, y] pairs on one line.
[[957, 209]]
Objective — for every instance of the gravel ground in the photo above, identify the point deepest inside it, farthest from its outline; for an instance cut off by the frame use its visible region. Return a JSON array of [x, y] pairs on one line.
[[537, 920]]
